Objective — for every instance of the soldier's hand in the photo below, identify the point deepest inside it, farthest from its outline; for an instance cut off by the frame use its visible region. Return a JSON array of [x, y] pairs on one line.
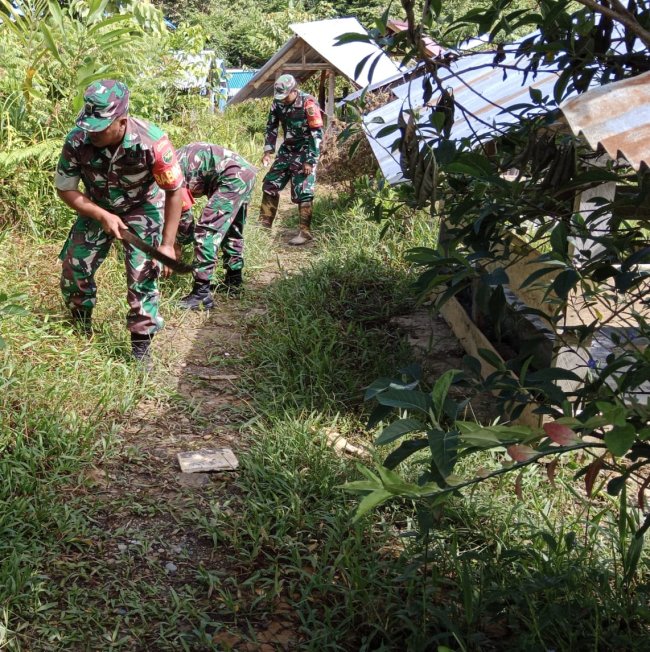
[[307, 168], [112, 225], [168, 250], [266, 159]]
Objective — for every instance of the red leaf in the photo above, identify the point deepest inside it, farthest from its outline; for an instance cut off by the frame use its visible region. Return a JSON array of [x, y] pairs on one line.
[[521, 452], [561, 434], [518, 491], [592, 473], [550, 471]]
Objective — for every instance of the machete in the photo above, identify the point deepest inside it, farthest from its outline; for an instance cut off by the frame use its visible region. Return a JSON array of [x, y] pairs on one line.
[[177, 265]]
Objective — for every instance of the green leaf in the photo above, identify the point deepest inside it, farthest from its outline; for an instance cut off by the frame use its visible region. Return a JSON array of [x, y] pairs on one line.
[[398, 429], [441, 389], [633, 557], [444, 450], [503, 433], [615, 414], [404, 451], [377, 387], [371, 501], [620, 439], [480, 437], [565, 282], [492, 358], [559, 239], [111, 20], [49, 42], [360, 65], [352, 37], [561, 85], [380, 413], [539, 273], [96, 10], [361, 485], [387, 131], [394, 483], [406, 400]]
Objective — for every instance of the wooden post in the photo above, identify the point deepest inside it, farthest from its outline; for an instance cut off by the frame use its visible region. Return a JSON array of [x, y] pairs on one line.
[[329, 106], [321, 89]]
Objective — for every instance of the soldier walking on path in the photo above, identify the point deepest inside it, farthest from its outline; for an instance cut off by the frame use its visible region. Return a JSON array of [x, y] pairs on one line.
[[296, 161], [120, 160], [227, 179]]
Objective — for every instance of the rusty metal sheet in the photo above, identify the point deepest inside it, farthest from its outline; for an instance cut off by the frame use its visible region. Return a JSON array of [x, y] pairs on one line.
[[617, 116]]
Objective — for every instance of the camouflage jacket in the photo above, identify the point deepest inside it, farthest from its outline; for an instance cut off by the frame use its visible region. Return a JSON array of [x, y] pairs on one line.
[[120, 181], [302, 125], [204, 165]]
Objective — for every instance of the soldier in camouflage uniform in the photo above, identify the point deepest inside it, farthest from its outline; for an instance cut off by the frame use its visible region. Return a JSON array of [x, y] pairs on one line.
[[301, 121], [130, 172], [227, 179]]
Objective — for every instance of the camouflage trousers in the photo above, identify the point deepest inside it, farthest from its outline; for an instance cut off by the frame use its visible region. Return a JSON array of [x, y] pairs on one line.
[[221, 225], [286, 167], [86, 249]]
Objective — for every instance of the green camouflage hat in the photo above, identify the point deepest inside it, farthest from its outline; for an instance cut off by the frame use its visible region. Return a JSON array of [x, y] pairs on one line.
[[283, 86], [104, 101]]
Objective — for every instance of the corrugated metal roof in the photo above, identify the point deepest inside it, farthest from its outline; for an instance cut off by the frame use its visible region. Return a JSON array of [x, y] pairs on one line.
[[484, 91], [321, 35], [236, 80], [617, 116], [489, 95], [315, 43], [240, 78]]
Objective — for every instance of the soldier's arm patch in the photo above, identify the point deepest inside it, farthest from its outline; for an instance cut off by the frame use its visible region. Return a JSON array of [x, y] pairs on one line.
[[314, 117], [166, 170]]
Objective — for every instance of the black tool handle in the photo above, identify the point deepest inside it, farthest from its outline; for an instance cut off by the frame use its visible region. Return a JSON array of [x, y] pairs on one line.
[[177, 265]]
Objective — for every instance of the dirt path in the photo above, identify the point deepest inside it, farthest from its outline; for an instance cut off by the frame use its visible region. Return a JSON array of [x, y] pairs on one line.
[[146, 552]]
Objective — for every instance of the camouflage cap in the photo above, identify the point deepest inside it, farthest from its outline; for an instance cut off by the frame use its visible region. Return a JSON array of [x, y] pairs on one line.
[[284, 84], [104, 101]]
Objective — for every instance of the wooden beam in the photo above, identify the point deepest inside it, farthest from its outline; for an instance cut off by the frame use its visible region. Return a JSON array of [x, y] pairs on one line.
[[472, 339], [306, 66]]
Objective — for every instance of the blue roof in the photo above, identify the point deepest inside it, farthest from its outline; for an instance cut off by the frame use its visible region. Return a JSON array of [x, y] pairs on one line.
[[240, 79]]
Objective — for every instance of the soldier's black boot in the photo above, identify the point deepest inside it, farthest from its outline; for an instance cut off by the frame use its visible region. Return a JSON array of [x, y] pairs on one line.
[[231, 284], [82, 320], [304, 235], [268, 210], [199, 297], [141, 350]]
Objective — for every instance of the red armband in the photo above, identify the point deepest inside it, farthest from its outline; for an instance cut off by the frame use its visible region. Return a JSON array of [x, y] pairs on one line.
[[314, 118], [188, 199], [166, 170]]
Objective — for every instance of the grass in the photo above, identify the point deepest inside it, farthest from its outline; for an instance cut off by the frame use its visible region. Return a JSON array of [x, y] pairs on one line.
[[279, 557], [501, 574]]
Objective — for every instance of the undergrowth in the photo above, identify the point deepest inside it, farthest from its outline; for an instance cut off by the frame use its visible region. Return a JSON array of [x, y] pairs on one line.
[[496, 574]]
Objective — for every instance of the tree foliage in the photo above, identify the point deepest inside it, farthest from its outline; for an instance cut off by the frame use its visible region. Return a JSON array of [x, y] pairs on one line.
[[599, 407]]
